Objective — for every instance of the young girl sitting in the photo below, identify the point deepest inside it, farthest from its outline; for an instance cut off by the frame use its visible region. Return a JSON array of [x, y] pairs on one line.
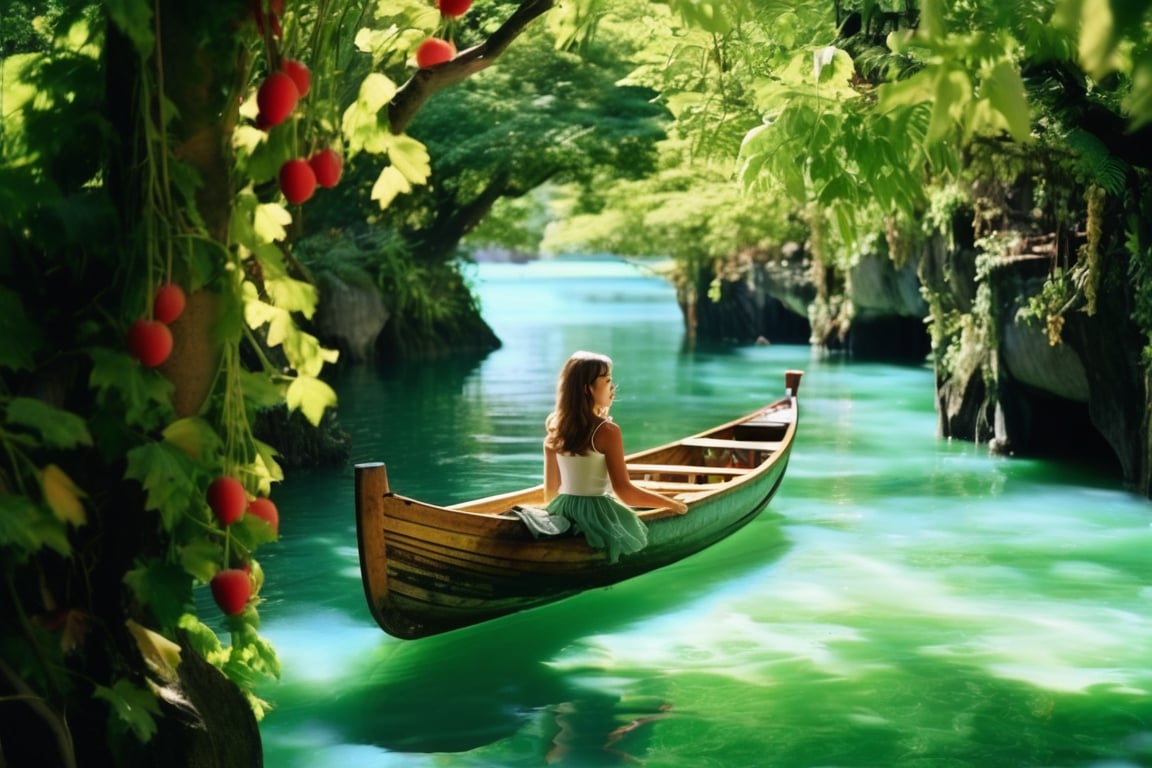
[[584, 461]]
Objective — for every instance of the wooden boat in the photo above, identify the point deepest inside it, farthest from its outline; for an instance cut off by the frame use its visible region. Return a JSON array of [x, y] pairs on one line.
[[429, 569]]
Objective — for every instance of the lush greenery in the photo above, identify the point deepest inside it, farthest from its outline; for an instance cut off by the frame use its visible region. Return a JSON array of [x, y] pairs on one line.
[[136, 153]]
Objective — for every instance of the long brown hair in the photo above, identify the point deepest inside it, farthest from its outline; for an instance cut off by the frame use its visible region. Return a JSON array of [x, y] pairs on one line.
[[571, 423]]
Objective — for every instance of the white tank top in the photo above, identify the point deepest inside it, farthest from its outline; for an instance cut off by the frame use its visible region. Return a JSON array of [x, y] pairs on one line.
[[584, 474]]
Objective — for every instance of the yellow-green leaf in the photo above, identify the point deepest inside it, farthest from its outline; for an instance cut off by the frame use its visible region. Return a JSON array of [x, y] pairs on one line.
[[388, 185], [411, 158], [160, 654], [271, 222], [310, 396], [193, 436], [62, 495], [293, 295], [1004, 89]]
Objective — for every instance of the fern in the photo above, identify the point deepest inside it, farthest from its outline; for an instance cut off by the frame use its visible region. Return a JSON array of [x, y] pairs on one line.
[[1097, 164]]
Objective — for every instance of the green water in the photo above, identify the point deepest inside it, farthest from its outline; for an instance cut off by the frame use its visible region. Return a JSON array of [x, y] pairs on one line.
[[904, 601]]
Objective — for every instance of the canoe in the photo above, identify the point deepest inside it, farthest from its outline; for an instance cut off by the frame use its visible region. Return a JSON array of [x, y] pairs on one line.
[[429, 569]]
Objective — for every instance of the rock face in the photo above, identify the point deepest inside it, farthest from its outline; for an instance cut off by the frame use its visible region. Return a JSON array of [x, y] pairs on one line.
[[350, 315], [753, 297], [889, 313], [1002, 382]]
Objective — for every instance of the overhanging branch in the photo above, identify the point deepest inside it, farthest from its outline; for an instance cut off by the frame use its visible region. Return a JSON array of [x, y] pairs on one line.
[[420, 87]]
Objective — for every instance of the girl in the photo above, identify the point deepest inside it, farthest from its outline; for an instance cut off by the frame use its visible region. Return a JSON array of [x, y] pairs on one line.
[[584, 461]]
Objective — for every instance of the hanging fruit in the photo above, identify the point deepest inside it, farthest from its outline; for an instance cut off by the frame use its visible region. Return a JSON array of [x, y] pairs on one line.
[[297, 181], [328, 166], [434, 51], [276, 98], [149, 341]]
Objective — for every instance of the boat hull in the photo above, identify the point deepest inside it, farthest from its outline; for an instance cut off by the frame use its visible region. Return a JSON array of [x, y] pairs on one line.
[[429, 569]]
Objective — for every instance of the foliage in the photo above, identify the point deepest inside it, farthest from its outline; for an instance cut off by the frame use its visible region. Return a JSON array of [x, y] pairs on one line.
[[107, 536]]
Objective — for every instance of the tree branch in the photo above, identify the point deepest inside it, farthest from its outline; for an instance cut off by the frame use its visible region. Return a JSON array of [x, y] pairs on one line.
[[420, 87]]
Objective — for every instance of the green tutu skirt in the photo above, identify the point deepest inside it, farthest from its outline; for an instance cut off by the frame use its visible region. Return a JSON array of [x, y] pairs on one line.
[[605, 522]]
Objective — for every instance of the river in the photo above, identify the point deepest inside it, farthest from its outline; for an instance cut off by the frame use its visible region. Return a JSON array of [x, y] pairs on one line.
[[904, 601]]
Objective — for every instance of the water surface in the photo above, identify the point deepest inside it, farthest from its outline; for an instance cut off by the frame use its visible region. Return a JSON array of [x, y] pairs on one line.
[[905, 601]]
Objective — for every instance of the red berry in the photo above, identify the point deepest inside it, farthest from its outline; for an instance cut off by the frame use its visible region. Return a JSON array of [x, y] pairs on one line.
[[227, 499], [150, 342], [300, 74], [266, 510], [327, 165], [168, 303], [277, 98], [434, 51], [231, 589], [297, 181], [453, 8]]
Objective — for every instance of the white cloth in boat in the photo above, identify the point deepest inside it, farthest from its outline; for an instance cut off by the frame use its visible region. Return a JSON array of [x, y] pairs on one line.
[[540, 522], [585, 499]]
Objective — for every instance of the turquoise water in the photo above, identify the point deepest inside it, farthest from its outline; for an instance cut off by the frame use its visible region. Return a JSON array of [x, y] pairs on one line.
[[905, 601]]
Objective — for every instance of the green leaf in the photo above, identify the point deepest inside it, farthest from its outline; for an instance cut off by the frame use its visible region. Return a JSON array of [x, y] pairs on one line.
[[162, 586], [953, 94], [18, 516], [311, 396], [261, 390], [19, 338], [118, 377], [55, 427], [201, 557], [1004, 89], [193, 436], [135, 707], [168, 476], [134, 18]]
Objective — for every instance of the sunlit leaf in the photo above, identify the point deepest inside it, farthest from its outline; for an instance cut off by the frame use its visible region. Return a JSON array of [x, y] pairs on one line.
[[271, 222], [62, 495], [361, 123], [411, 158], [160, 654], [388, 185], [1004, 89], [1097, 37], [306, 355], [310, 396], [953, 94], [292, 295]]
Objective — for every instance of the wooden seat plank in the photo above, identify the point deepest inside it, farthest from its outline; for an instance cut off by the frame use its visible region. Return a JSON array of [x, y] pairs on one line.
[[716, 442], [686, 469]]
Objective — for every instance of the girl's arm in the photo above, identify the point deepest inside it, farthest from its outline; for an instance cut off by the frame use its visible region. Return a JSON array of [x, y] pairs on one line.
[[610, 442], [551, 475]]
